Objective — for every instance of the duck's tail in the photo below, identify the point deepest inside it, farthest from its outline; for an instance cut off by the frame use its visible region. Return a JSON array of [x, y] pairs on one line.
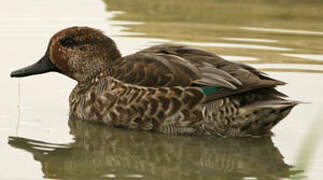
[[263, 115]]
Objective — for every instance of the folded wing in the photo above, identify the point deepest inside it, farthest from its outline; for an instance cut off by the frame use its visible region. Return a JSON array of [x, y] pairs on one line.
[[174, 65]]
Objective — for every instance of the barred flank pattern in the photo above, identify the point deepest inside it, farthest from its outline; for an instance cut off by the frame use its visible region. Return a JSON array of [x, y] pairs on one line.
[[172, 110]]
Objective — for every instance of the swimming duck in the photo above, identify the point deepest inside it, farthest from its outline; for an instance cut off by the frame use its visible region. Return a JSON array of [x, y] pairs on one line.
[[172, 89]]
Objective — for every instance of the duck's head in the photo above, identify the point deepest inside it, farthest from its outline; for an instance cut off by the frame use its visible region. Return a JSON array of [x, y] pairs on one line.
[[78, 52]]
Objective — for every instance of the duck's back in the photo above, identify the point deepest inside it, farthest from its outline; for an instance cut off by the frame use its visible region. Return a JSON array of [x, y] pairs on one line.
[[175, 65]]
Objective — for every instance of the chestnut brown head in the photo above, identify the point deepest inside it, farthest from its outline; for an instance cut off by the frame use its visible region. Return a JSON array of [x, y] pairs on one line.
[[78, 52]]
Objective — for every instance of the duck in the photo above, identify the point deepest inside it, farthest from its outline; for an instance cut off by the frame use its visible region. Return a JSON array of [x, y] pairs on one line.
[[167, 88]]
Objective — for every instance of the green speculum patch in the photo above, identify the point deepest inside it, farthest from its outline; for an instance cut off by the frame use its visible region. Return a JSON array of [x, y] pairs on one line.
[[209, 90]]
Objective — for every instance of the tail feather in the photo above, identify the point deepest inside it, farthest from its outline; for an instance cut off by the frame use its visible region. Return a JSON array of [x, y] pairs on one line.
[[264, 115], [275, 104]]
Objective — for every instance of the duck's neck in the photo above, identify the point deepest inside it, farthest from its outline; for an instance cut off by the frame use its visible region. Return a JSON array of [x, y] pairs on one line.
[[92, 71], [91, 79], [114, 54]]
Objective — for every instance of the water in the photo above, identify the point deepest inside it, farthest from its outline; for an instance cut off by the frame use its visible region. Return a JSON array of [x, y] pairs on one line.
[[38, 141]]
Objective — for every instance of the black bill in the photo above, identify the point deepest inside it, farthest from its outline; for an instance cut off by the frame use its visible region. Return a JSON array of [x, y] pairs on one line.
[[42, 66]]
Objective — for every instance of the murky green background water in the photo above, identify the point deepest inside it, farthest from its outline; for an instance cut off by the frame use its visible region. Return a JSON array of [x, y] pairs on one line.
[[282, 37]]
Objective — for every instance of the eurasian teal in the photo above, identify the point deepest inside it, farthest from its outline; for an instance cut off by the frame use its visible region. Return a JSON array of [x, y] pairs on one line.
[[171, 89]]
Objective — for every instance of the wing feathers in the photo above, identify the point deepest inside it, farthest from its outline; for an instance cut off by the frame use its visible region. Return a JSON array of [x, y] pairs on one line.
[[174, 65], [214, 80], [219, 72]]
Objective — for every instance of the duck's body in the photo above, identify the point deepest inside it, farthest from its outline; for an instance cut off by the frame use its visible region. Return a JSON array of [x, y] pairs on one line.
[[171, 89]]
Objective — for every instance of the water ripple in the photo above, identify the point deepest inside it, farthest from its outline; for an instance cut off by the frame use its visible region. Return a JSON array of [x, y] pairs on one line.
[[232, 45], [291, 31]]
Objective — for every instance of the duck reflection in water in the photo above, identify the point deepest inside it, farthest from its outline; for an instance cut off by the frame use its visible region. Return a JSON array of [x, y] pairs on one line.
[[99, 151]]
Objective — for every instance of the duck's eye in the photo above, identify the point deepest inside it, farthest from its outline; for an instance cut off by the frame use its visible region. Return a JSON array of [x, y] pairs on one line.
[[67, 42]]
